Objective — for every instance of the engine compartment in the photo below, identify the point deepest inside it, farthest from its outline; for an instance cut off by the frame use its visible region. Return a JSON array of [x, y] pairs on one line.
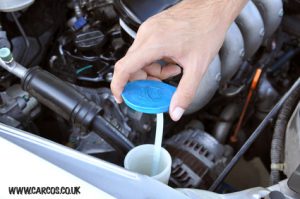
[[79, 41]]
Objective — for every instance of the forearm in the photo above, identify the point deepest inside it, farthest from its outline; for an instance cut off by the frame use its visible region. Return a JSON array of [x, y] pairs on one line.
[[233, 7], [221, 11]]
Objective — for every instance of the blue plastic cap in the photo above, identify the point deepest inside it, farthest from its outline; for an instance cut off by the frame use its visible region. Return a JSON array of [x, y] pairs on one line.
[[79, 23], [148, 96]]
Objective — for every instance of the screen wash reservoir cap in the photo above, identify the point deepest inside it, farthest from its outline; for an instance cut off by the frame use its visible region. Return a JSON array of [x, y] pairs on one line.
[[148, 96]]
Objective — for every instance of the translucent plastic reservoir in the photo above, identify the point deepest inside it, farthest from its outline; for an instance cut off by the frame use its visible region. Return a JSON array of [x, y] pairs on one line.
[[14, 5]]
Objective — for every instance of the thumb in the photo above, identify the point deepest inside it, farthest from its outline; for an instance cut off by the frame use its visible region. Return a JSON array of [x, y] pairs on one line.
[[185, 92]]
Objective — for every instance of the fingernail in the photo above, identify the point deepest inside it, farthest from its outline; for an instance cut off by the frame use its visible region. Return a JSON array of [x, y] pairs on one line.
[[118, 101], [177, 113]]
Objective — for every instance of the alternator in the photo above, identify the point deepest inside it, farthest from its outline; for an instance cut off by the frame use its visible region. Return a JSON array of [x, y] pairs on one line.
[[198, 158]]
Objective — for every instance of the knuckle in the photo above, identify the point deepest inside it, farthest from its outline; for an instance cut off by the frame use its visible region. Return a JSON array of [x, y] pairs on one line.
[[151, 21], [148, 26], [113, 86], [187, 95], [118, 67], [143, 28], [115, 89]]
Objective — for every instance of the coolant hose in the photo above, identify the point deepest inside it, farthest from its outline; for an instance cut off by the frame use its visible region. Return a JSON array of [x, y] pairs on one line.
[[277, 144]]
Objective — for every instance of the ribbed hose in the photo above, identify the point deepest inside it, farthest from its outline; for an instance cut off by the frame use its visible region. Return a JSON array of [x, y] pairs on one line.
[[101, 126], [111, 135], [277, 146]]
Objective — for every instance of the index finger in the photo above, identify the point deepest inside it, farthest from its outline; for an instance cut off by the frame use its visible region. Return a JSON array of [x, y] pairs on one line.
[[132, 62]]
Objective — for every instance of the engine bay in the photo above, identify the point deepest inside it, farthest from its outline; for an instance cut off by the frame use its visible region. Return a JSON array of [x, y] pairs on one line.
[[79, 42]]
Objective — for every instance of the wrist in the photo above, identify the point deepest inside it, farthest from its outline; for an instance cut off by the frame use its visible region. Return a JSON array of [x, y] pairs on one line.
[[233, 8], [223, 11]]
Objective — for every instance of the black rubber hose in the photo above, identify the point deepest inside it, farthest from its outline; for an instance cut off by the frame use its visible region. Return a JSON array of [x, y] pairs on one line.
[[118, 140], [60, 97], [253, 137], [73, 106], [115, 138], [277, 146], [282, 60]]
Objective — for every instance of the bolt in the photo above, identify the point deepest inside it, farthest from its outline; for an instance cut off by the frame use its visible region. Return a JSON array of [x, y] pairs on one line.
[[262, 32], [281, 12], [218, 77], [242, 53], [108, 77], [26, 97], [146, 127]]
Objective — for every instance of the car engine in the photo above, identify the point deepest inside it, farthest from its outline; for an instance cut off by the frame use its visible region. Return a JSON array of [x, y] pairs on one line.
[[79, 42]]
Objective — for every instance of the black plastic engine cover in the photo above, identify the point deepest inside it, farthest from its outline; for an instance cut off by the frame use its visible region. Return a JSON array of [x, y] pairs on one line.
[[135, 12]]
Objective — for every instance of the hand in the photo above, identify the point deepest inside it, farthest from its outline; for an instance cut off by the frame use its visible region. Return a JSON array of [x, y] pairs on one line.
[[189, 34]]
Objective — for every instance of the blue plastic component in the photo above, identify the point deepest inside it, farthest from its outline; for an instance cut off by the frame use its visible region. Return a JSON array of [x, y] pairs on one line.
[[79, 23], [148, 96]]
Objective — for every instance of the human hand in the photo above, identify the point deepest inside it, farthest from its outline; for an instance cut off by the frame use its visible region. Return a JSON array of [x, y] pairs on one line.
[[189, 34]]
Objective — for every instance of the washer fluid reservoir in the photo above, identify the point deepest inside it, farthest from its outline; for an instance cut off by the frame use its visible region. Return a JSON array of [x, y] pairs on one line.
[[14, 5]]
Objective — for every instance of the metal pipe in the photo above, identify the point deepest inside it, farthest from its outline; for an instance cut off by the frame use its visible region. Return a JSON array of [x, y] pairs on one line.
[[272, 13], [14, 68], [232, 53], [227, 117], [207, 87], [251, 25]]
